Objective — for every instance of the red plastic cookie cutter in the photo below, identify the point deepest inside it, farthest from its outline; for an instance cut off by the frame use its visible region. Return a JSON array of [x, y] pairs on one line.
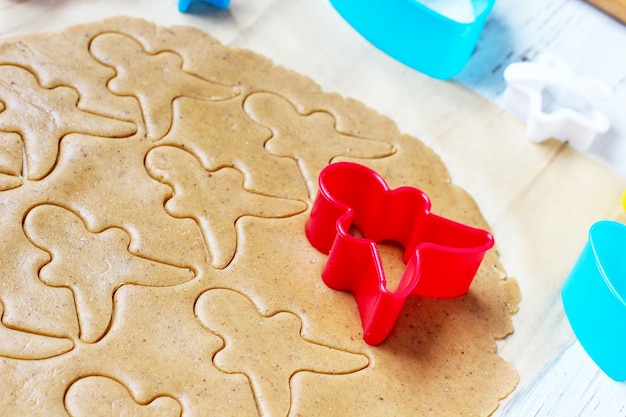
[[441, 256]]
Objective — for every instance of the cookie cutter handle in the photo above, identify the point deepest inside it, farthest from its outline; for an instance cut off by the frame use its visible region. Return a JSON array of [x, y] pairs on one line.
[[451, 249], [353, 265]]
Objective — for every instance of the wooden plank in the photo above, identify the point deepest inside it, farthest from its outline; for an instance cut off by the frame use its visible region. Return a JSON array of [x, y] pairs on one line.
[[571, 384], [616, 8]]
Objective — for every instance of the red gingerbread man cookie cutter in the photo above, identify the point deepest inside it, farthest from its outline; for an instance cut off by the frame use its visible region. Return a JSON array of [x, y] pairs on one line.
[[441, 256]]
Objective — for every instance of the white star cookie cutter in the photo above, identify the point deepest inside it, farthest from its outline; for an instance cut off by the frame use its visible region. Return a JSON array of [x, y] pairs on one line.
[[555, 102]]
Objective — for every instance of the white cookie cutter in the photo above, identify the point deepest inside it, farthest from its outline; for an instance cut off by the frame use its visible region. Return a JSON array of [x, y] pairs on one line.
[[555, 102]]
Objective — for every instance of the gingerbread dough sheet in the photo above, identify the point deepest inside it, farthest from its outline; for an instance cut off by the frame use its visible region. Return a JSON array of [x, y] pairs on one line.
[[154, 186]]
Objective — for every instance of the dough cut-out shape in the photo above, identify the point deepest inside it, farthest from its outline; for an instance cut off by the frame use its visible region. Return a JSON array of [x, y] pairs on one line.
[[268, 349], [137, 72], [97, 396], [236, 141], [311, 139], [155, 223], [26, 113], [93, 265], [11, 160], [216, 200], [39, 52], [157, 347], [29, 304], [126, 197], [24, 345]]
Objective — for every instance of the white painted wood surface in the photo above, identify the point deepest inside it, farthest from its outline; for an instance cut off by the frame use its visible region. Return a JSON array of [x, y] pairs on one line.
[[539, 199], [561, 389], [590, 41]]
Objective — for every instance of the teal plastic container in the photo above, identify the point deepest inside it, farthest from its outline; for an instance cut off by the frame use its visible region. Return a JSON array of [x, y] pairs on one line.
[[415, 34], [183, 5], [594, 297]]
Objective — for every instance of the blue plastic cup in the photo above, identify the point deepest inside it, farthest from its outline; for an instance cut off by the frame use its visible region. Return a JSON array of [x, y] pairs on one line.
[[415, 34], [594, 297], [183, 5]]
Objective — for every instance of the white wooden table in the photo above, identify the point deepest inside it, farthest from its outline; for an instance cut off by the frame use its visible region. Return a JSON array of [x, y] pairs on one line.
[[539, 199], [591, 42]]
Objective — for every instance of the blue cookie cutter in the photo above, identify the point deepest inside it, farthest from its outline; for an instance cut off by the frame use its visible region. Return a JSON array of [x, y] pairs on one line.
[[183, 5], [594, 297], [415, 34]]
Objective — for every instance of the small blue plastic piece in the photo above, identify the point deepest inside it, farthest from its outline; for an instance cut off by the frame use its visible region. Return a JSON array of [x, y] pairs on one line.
[[183, 5], [594, 297], [415, 34]]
